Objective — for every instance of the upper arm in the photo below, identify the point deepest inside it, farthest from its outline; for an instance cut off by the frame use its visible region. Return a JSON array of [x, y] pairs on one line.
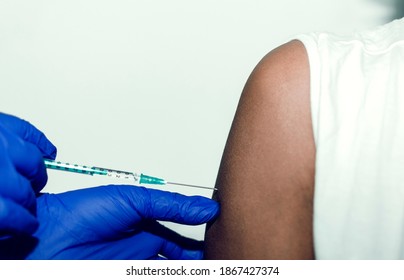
[[266, 177]]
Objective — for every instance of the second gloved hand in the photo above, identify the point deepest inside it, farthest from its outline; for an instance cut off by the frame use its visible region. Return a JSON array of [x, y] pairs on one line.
[[118, 222]]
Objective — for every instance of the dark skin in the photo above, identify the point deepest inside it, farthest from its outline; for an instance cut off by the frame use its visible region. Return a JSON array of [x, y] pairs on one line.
[[266, 177]]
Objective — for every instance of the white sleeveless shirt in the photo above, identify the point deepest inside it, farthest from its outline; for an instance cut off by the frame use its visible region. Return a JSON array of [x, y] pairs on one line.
[[357, 103]]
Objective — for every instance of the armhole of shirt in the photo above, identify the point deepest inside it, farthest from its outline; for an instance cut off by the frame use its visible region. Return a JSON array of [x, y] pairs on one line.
[[311, 47]]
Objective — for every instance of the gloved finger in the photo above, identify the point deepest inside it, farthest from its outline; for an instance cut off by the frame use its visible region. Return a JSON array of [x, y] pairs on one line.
[[141, 246], [26, 158], [29, 162], [15, 219], [173, 251], [29, 133], [174, 246], [174, 207], [16, 187]]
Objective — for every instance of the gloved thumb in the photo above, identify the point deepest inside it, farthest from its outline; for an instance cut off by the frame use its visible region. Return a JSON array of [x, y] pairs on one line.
[[125, 207], [15, 219], [173, 207]]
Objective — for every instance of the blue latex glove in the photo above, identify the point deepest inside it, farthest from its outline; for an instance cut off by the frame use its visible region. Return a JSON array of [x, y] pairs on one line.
[[22, 174], [114, 222]]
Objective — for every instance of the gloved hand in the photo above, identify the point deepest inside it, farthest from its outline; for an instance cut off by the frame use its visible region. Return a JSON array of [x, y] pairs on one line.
[[22, 174], [115, 222]]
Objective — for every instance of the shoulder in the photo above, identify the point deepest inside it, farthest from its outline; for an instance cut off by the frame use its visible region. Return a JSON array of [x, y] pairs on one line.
[[282, 77], [284, 66], [288, 56]]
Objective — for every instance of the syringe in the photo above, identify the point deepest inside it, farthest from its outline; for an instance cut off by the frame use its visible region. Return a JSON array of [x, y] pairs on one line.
[[136, 178]]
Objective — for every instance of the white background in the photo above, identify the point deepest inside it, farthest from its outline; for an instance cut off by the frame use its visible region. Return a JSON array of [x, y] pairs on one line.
[[149, 86]]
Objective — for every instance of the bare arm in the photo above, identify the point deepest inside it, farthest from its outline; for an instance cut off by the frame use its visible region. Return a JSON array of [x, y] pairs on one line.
[[266, 177]]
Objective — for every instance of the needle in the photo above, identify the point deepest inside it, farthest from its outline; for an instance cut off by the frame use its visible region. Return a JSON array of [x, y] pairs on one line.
[[192, 186]]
